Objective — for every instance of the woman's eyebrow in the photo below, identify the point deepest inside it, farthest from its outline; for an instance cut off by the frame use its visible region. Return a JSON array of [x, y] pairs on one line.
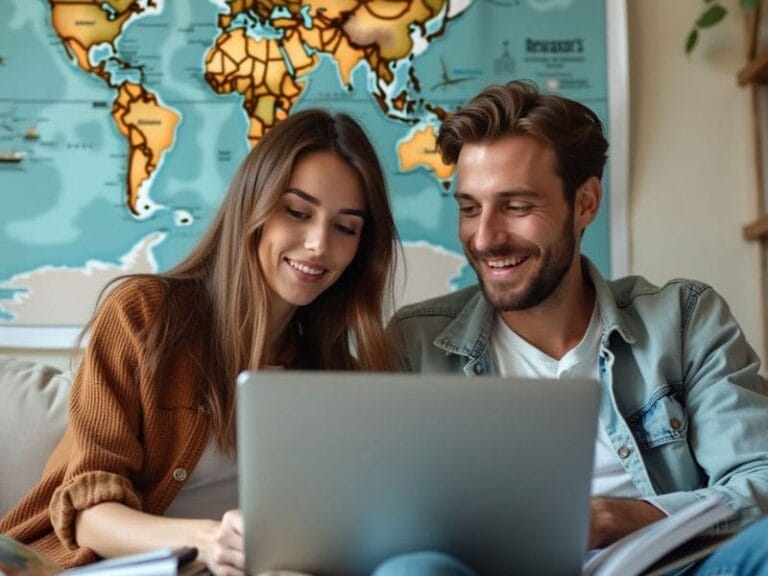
[[301, 194], [316, 202], [352, 212]]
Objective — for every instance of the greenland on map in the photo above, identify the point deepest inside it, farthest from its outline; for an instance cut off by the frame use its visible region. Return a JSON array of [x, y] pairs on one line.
[[122, 122]]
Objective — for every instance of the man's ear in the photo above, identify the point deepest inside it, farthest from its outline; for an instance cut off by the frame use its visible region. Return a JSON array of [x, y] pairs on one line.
[[587, 202]]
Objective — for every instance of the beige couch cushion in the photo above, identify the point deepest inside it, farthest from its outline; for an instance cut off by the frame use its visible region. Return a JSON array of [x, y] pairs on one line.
[[33, 416]]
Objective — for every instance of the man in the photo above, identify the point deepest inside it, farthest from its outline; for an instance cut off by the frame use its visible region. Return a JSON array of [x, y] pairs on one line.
[[684, 411]]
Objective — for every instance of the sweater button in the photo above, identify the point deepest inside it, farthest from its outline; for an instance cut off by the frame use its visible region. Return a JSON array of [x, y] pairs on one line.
[[624, 452], [180, 474]]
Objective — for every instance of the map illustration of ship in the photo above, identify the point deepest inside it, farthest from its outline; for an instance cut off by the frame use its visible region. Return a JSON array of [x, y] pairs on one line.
[[10, 157], [448, 80], [32, 133]]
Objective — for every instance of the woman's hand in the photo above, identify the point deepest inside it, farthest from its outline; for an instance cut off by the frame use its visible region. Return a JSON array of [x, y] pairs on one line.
[[222, 547], [112, 529]]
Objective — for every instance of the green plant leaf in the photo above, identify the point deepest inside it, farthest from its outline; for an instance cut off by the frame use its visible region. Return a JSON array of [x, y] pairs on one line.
[[711, 16], [750, 5], [690, 43]]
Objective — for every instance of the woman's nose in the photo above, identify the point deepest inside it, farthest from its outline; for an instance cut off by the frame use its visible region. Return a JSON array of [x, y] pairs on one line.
[[316, 239]]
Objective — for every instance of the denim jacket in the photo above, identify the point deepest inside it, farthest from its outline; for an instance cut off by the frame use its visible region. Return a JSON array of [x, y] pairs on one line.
[[683, 403]]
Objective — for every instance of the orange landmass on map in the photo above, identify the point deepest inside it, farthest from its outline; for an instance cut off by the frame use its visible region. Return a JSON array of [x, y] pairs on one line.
[[400, 101], [266, 71], [149, 128], [421, 150], [258, 71], [385, 26], [82, 24]]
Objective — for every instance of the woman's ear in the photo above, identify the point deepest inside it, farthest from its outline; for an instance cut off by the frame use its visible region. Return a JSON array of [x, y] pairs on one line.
[[587, 203]]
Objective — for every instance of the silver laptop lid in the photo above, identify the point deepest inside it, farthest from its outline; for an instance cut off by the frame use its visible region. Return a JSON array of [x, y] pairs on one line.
[[340, 471]]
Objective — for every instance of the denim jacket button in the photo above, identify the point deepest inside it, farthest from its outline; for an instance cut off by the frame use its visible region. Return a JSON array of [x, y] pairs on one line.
[[674, 423], [624, 452], [478, 369]]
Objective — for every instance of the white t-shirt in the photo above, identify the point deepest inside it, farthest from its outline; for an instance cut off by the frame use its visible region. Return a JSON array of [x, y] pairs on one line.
[[515, 357], [211, 488]]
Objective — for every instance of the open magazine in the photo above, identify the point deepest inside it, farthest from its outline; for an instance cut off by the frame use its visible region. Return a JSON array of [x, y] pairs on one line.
[[19, 560], [664, 545]]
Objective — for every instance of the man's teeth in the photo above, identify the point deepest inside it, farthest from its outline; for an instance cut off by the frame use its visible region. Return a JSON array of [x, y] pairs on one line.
[[505, 262], [304, 268]]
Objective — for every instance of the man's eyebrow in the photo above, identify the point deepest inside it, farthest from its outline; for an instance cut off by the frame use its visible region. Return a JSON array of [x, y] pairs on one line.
[[316, 202], [515, 193]]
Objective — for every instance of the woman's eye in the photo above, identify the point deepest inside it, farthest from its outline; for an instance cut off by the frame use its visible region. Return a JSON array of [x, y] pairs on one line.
[[348, 230], [296, 214]]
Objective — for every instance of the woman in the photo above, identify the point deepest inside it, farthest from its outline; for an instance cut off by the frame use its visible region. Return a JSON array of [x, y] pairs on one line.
[[291, 273]]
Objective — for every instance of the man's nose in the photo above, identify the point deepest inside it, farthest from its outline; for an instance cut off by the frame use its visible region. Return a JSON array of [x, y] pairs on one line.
[[490, 231]]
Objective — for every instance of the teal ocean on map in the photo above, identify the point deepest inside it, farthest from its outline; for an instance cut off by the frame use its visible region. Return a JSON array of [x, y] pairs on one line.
[[64, 204]]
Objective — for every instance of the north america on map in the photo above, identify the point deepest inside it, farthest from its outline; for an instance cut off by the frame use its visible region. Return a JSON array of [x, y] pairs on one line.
[[122, 122]]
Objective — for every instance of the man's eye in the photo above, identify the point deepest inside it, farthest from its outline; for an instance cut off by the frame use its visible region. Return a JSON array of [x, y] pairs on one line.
[[468, 210], [518, 208], [296, 214]]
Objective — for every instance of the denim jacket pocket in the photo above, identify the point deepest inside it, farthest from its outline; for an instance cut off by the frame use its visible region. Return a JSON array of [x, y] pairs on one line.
[[660, 422]]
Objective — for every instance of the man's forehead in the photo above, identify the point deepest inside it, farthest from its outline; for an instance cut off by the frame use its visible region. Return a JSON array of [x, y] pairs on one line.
[[506, 163], [503, 148]]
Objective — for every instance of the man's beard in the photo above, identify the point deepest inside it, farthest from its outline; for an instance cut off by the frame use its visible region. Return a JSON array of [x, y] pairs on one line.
[[553, 266]]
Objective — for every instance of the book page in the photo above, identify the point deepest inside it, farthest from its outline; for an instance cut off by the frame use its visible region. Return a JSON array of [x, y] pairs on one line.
[[640, 549], [161, 562]]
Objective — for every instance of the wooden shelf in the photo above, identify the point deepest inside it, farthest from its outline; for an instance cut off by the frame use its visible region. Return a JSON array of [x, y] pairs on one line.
[[757, 230], [754, 75], [756, 70]]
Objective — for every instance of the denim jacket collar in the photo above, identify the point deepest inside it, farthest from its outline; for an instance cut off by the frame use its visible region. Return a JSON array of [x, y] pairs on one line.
[[469, 333], [610, 316]]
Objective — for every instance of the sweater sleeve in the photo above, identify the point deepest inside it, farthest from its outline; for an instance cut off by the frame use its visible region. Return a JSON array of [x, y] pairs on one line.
[[106, 410]]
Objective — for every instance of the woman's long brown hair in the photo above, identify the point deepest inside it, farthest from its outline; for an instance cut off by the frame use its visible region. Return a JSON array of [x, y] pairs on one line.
[[217, 296]]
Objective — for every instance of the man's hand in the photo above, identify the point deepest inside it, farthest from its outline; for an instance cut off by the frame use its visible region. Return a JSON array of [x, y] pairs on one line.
[[613, 518]]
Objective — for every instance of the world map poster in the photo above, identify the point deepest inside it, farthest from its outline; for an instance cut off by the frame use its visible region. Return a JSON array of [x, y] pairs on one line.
[[122, 122]]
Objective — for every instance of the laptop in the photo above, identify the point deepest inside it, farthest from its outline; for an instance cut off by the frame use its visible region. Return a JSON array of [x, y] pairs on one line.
[[340, 471]]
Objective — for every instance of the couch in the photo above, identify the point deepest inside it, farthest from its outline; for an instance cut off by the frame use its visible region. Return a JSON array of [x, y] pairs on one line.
[[33, 416]]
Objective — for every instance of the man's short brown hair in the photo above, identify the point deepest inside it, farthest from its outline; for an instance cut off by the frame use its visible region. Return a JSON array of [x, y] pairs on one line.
[[572, 130]]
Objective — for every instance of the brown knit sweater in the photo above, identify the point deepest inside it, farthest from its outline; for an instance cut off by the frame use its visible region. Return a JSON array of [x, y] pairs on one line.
[[130, 440]]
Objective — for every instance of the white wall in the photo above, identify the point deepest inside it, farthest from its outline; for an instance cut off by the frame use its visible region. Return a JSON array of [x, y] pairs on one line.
[[692, 183]]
